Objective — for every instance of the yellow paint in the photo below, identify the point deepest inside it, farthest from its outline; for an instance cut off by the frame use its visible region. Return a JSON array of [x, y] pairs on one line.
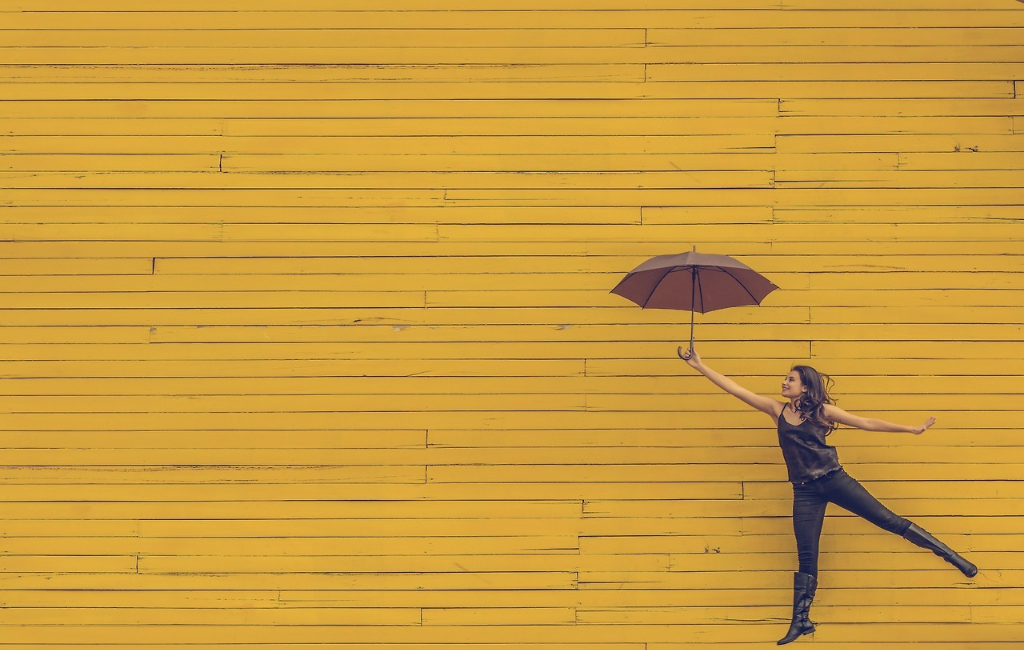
[[307, 335]]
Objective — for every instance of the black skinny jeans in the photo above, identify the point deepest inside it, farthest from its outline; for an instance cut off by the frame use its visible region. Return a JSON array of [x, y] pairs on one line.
[[838, 487]]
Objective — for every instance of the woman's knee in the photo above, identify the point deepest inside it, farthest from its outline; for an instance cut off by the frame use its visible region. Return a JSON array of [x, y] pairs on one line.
[[901, 526]]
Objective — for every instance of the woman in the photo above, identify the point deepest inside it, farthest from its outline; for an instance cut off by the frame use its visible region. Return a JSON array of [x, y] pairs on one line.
[[818, 478]]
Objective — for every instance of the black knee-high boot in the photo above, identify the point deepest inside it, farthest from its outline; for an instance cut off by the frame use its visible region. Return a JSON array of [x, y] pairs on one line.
[[921, 537], [803, 594]]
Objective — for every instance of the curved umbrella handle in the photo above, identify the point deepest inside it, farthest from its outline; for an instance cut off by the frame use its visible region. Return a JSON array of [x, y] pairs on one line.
[[679, 351]]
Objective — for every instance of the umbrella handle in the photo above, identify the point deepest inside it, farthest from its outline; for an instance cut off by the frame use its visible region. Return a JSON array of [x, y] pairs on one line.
[[679, 351]]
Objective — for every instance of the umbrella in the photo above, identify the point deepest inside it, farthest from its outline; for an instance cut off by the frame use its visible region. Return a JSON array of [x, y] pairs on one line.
[[694, 282]]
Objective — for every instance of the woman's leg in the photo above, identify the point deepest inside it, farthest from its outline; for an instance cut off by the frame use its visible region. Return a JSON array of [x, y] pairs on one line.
[[843, 490], [808, 516]]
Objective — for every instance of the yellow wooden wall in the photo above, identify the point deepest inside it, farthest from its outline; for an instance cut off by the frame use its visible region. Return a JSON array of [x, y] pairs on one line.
[[307, 339]]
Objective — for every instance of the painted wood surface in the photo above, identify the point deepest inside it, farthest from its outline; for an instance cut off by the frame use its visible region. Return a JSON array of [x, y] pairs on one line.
[[306, 337]]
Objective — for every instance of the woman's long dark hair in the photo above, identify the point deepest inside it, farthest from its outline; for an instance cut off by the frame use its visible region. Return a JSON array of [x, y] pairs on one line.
[[812, 405]]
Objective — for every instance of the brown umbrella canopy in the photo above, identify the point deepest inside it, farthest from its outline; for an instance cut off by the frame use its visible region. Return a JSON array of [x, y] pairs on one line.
[[695, 282]]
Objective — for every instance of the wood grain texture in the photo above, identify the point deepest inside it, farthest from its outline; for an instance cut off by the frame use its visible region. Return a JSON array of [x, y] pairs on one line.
[[306, 338]]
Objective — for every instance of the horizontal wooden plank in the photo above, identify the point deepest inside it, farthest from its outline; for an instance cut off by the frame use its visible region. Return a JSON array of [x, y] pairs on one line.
[[608, 69], [71, 563], [782, 233], [508, 19], [839, 39], [392, 180], [391, 145], [712, 508], [347, 439], [265, 6], [895, 179], [668, 473], [105, 484], [910, 107], [375, 546], [582, 298], [911, 143], [943, 577], [861, 69], [369, 616], [657, 367], [360, 39], [31, 136], [960, 161], [225, 300], [712, 615], [503, 616], [248, 163], [635, 332], [765, 262], [117, 162], [629, 253], [72, 267], [553, 350], [364, 215], [500, 125], [629, 438], [463, 5], [903, 214], [459, 298], [156, 598], [377, 582], [567, 83], [831, 233], [783, 508], [897, 490], [441, 460], [593, 634], [338, 474], [725, 547], [511, 107], [302, 368], [744, 196], [218, 232], [505, 332], [290, 501], [282, 47], [591, 528]]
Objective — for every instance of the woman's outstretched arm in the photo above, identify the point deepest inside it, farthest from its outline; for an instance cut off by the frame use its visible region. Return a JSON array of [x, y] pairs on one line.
[[837, 414], [760, 402]]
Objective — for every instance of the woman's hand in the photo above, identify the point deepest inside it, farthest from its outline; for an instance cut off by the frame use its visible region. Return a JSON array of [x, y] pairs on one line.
[[690, 356], [924, 427]]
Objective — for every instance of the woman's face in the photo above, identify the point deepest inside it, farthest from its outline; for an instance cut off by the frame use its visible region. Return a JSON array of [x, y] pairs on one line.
[[792, 387]]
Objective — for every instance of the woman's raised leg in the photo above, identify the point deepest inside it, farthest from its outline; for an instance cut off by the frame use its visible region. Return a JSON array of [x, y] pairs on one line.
[[847, 493]]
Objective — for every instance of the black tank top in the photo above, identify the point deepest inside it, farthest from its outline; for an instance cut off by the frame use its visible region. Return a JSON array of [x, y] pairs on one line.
[[803, 446]]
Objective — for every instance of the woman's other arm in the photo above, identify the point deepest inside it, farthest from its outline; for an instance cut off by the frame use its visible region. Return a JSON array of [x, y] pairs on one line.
[[761, 403], [837, 414]]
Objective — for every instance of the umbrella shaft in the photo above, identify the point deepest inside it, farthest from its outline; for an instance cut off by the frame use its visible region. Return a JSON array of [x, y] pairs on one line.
[[693, 308]]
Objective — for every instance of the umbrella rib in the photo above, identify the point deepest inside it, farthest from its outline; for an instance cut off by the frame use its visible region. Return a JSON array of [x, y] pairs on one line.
[[656, 285], [700, 290], [726, 271]]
